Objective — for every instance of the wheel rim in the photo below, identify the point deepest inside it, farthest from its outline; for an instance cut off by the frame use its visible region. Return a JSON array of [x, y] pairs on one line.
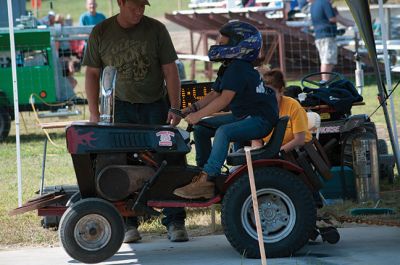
[[277, 215], [92, 232]]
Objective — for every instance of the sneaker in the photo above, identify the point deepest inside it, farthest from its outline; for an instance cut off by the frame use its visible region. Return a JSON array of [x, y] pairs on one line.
[[131, 235], [177, 233], [199, 188]]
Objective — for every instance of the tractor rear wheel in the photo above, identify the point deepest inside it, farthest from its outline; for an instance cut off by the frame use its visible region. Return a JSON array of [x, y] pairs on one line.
[[91, 230], [287, 213]]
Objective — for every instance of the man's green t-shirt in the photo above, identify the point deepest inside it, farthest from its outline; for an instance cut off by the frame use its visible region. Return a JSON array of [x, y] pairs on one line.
[[138, 54]]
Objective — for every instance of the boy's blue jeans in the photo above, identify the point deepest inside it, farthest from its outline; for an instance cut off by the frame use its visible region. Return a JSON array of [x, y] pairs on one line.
[[229, 129]]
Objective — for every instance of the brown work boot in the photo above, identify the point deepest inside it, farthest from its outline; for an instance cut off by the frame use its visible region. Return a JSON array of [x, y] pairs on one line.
[[131, 235], [199, 188], [177, 233]]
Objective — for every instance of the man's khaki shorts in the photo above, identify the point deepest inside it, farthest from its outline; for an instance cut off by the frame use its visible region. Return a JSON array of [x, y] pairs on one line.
[[328, 50]]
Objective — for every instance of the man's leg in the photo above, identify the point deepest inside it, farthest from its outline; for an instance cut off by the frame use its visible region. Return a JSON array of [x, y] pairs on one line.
[[126, 112], [326, 68], [327, 48], [174, 221], [174, 218]]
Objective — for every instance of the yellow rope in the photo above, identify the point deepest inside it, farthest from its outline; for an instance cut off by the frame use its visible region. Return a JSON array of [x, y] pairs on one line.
[[31, 100]]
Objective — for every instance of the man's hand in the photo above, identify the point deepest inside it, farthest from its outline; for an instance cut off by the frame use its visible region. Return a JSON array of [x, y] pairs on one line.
[[94, 117], [173, 119]]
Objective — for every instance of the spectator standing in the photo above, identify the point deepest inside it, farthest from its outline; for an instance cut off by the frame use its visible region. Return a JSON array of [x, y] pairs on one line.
[[91, 17], [141, 49], [48, 20], [324, 18]]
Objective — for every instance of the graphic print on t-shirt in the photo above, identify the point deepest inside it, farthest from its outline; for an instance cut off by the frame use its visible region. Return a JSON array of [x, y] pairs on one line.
[[131, 59]]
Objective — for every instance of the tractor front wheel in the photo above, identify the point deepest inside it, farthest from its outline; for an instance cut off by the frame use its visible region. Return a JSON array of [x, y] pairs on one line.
[[91, 230]]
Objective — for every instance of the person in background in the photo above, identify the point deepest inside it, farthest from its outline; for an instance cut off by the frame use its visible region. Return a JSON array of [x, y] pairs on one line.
[[239, 85], [141, 49], [59, 19], [297, 133], [91, 17], [48, 20], [67, 80], [324, 18]]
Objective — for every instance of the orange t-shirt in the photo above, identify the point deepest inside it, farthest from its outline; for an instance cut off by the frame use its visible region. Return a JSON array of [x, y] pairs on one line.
[[297, 123]]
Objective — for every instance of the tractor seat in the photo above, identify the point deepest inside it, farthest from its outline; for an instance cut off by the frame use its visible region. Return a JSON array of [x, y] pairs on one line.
[[269, 150]]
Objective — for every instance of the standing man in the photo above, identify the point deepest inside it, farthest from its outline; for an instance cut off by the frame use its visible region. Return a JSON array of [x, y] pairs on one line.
[[324, 18], [91, 17], [141, 49], [48, 20]]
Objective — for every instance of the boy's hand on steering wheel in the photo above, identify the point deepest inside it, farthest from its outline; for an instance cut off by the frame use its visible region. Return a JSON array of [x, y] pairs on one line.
[[187, 110], [193, 118]]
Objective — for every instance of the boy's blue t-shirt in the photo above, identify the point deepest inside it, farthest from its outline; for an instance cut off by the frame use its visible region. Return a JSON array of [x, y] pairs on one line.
[[87, 19], [252, 97], [321, 11]]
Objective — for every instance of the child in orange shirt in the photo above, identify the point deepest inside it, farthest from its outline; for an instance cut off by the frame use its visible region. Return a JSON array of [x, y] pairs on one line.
[[297, 133]]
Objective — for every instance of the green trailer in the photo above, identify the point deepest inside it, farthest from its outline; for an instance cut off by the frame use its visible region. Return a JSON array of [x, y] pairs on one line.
[[35, 72], [40, 57]]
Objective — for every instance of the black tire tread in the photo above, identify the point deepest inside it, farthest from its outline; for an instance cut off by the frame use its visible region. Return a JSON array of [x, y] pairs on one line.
[[277, 249], [78, 210]]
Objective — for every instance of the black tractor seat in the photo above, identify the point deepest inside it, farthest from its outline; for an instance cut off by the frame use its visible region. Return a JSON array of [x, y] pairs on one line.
[[269, 150]]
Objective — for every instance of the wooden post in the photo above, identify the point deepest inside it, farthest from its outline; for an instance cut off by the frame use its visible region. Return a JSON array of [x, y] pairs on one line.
[[213, 226], [247, 150]]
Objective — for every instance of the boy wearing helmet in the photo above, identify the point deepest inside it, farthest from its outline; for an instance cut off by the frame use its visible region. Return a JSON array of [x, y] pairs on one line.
[[239, 86]]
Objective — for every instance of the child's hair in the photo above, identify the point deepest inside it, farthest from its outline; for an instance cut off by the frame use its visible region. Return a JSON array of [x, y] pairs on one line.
[[275, 79]]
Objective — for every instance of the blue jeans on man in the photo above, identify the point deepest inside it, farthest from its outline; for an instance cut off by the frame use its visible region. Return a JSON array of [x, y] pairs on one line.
[[155, 114]]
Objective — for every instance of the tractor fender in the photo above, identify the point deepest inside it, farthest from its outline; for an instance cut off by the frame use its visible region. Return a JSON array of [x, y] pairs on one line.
[[262, 163]]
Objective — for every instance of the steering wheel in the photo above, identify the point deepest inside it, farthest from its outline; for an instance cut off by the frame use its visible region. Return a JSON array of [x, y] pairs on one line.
[[189, 128], [311, 79]]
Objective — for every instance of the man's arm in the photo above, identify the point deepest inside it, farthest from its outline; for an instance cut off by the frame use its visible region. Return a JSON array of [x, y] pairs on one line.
[[174, 90], [337, 18], [92, 88]]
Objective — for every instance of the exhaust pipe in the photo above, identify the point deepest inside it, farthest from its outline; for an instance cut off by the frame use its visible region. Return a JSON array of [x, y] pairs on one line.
[[107, 94]]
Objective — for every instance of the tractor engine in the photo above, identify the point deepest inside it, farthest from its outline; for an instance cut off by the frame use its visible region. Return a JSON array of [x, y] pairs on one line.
[[115, 179]]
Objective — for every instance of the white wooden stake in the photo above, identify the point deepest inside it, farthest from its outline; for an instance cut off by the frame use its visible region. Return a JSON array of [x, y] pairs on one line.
[[247, 150]]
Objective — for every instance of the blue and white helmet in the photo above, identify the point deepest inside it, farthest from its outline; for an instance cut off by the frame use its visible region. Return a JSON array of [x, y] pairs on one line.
[[245, 43]]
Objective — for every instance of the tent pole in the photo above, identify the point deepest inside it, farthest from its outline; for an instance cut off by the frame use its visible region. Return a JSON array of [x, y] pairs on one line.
[[362, 16], [15, 92], [387, 71]]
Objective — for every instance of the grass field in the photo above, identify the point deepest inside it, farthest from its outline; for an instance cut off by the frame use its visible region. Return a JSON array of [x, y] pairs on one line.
[[109, 7]]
